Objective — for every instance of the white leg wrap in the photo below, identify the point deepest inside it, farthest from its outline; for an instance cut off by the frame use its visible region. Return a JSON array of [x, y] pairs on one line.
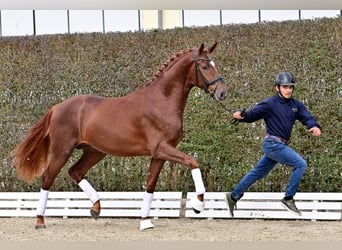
[[197, 177], [197, 205], [146, 224], [43, 197], [89, 190], [146, 205]]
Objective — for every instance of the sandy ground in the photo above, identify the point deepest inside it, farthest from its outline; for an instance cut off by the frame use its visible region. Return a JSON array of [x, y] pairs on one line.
[[181, 229]]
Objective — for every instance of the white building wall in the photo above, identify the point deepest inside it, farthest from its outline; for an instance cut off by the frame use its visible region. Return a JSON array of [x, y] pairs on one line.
[[29, 22]]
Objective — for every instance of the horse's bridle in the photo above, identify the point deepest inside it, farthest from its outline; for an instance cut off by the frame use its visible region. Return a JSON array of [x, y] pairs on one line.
[[206, 83]]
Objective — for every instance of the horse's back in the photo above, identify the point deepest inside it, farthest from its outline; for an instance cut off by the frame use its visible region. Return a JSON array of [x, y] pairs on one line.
[[81, 99], [103, 123], [69, 114]]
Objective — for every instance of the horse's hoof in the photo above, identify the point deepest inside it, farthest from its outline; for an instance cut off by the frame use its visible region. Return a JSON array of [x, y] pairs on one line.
[[146, 224], [197, 205], [40, 226], [196, 211], [94, 214]]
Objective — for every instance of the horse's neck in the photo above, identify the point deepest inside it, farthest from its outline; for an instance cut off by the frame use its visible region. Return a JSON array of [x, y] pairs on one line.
[[173, 80], [174, 86], [171, 86]]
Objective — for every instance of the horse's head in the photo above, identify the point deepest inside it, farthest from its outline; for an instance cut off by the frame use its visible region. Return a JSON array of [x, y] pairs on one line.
[[207, 75]]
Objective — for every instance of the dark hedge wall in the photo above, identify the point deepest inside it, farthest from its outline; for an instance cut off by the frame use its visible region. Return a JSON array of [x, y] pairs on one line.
[[37, 72]]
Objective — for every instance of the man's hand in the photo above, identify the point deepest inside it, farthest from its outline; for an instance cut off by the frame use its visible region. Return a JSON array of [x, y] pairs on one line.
[[237, 115], [315, 131]]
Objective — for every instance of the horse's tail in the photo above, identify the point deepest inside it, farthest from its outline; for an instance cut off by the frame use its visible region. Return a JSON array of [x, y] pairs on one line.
[[30, 157]]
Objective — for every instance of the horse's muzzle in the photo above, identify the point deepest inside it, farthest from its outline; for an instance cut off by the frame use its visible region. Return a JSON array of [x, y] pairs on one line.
[[220, 92]]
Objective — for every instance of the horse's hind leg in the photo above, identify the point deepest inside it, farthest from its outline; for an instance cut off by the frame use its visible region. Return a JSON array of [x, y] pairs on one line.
[[57, 160], [78, 171]]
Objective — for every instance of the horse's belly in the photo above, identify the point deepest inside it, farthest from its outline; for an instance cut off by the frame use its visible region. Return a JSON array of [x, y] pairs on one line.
[[127, 150], [118, 144]]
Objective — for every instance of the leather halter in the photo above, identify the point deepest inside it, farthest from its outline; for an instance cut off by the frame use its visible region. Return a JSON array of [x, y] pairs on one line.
[[206, 83]]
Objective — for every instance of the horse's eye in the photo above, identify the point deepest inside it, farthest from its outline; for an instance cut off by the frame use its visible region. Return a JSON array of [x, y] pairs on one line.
[[205, 67]]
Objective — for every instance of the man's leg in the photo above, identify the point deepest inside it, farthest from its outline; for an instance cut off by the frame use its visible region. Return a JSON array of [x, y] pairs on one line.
[[262, 169], [292, 159], [264, 166]]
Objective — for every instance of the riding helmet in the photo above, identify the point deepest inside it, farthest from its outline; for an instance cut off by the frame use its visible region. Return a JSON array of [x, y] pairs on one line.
[[285, 78]]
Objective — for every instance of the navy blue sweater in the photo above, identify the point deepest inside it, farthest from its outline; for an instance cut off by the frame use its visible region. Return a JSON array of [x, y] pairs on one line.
[[280, 115]]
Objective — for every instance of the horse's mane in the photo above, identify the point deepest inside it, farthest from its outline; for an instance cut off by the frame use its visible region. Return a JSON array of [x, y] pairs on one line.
[[170, 61]]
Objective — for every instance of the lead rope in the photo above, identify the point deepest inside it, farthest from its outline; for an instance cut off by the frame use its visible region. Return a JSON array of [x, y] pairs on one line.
[[233, 121]]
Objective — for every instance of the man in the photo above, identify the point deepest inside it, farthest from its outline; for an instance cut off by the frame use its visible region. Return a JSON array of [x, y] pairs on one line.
[[279, 113]]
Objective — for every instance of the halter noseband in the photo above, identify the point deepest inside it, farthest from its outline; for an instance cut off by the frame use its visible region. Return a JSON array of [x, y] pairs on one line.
[[206, 83]]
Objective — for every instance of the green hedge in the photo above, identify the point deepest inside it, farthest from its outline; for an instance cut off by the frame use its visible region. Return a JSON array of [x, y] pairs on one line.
[[39, 71]]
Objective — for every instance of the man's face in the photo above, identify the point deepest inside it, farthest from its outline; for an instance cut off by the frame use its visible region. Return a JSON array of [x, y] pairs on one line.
[[285, 90]]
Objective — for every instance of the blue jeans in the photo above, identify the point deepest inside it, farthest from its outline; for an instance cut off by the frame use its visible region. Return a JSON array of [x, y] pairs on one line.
[[274, 152]]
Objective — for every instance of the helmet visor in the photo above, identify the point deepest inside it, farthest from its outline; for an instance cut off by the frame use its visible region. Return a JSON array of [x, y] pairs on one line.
[[287, 83]]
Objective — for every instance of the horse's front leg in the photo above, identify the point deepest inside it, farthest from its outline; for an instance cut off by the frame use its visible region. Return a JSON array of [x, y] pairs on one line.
[[197, 204], [151, 182], [171, 153]]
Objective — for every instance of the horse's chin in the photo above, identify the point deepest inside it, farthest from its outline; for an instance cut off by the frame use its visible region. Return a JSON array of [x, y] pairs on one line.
[[220, 98]]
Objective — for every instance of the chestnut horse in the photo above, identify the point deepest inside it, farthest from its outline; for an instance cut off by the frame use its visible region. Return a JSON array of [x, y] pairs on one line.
[[147, 122]]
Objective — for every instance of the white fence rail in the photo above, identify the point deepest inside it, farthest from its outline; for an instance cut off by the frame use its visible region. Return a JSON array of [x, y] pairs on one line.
[[77, 204], [314, 206], [254, 205]]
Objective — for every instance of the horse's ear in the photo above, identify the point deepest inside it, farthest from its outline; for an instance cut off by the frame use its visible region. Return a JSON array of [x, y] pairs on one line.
[[201, 48], [211, 49]]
